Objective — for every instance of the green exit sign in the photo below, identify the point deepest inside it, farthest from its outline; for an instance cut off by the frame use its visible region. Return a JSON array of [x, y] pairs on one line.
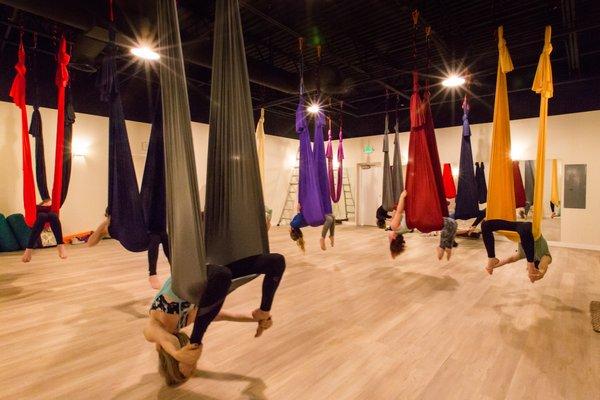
[[368, 149]]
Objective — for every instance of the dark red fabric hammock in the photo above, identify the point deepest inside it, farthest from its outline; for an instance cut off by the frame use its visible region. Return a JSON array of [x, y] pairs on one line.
[[335, 188], [17, 92], [449, 187], [520, 198], [424, 210]]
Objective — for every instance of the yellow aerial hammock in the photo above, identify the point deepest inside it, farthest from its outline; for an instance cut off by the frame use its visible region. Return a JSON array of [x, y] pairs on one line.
[[501, 197], [554, 196]]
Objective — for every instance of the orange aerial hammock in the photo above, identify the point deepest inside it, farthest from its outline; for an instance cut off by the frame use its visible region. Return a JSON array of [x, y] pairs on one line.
[[501, 196]]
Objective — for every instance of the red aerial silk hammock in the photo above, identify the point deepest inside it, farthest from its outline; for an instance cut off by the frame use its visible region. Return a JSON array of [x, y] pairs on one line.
[[424, 208], [335, 191], [61, 81], [520, 196], [449, 187], [17, 92]]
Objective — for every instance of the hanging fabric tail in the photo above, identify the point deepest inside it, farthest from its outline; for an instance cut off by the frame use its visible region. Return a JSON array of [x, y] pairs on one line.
[[308, 185], [153, 192], [433, 152], [554, 193], [397, 178], [18, 93], [481, 183], [188, 265], [423, 208], [388, 189], [520, 197], [235, 210], [320, 163], [124, 204], [61, 81], [467, 191], [529, 181], [68, 139], [501, 193], [449, 187], [335, 191], [543, 85], [260, 146], [340, 171]]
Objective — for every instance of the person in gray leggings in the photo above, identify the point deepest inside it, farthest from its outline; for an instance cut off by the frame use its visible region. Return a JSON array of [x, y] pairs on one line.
[[328, 225]]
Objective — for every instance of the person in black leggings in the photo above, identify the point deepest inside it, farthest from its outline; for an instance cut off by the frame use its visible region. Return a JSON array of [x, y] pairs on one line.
[[44, 215], [156, 238], [534, 250], [169, 314]]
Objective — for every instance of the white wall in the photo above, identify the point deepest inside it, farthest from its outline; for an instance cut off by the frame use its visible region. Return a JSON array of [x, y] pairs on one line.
[[87, 197], [572, 138]]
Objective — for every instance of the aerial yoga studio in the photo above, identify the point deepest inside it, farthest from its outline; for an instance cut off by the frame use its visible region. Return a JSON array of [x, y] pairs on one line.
[[260, 199]]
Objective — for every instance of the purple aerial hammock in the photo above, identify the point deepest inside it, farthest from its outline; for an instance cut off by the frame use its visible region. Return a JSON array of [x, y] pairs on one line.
[[335, 190]]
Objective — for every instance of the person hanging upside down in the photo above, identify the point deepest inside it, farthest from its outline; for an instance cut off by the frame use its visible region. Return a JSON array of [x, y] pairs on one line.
[[178, 353], [44, 216], [535, 251], [299, 222]]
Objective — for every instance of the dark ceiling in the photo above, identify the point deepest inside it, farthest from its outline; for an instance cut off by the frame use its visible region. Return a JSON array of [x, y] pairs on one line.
[[367, 51]]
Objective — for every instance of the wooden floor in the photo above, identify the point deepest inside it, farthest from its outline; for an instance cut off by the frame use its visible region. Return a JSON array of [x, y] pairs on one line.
[[350, 323]]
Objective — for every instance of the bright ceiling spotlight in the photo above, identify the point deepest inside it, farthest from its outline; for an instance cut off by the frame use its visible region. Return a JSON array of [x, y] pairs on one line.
[[313, 108], [145, 53], [453, 81]]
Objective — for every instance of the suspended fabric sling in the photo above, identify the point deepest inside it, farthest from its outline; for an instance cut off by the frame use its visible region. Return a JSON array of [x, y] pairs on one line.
[[260, 146], [18, 92], [554, 194], [501, 190], [542, 85], [184, 222], [235, 210], [61, 81], [423, 208], [520, 197], [387, 188], [335, 190], [321, 163], [467, 193], [397, 177], [529, 181], [124, 203], [481, 183], [449, 187], [67, 145], [153, 192], [309, 195]]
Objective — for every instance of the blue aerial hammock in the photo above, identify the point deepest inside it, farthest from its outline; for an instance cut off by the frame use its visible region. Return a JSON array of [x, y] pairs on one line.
[[466, 195], [481, 184]]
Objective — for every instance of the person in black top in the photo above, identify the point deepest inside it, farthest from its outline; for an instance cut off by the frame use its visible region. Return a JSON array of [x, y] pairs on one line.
[[44, 215], [381, 216]]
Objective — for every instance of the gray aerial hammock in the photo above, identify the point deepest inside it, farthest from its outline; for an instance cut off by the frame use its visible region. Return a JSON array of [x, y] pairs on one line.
[[397, 178], [234, 177], [388, 189]]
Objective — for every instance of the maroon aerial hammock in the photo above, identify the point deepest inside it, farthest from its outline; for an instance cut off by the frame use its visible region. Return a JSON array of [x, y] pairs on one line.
[[17, 92], [335, 190], [520, 198], [449, 187], [424, 210]]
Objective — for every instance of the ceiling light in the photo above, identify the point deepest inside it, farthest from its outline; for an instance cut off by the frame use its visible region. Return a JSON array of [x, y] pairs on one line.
[[453, 81], [313, 108], [145, 52]]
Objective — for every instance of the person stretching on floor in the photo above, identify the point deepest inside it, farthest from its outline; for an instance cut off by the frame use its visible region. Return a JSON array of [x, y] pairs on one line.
[[155, 238], [169, 314], [399, 228], [299, 222], [44, 216], [535, 251]]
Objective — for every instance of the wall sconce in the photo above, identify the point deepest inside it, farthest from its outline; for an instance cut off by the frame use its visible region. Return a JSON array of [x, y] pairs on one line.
[[79, 148]]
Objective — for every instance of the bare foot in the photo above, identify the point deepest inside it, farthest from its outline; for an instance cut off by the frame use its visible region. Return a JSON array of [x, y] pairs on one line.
[[62, 251], [27, 255], [322, 243], [448, 254], [331, 240], [154, 282], [440, 252], [492, 263]]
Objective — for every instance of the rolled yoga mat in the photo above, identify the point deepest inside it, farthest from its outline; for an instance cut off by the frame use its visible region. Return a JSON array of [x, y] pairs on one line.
[[20, 229], [8, 241]]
